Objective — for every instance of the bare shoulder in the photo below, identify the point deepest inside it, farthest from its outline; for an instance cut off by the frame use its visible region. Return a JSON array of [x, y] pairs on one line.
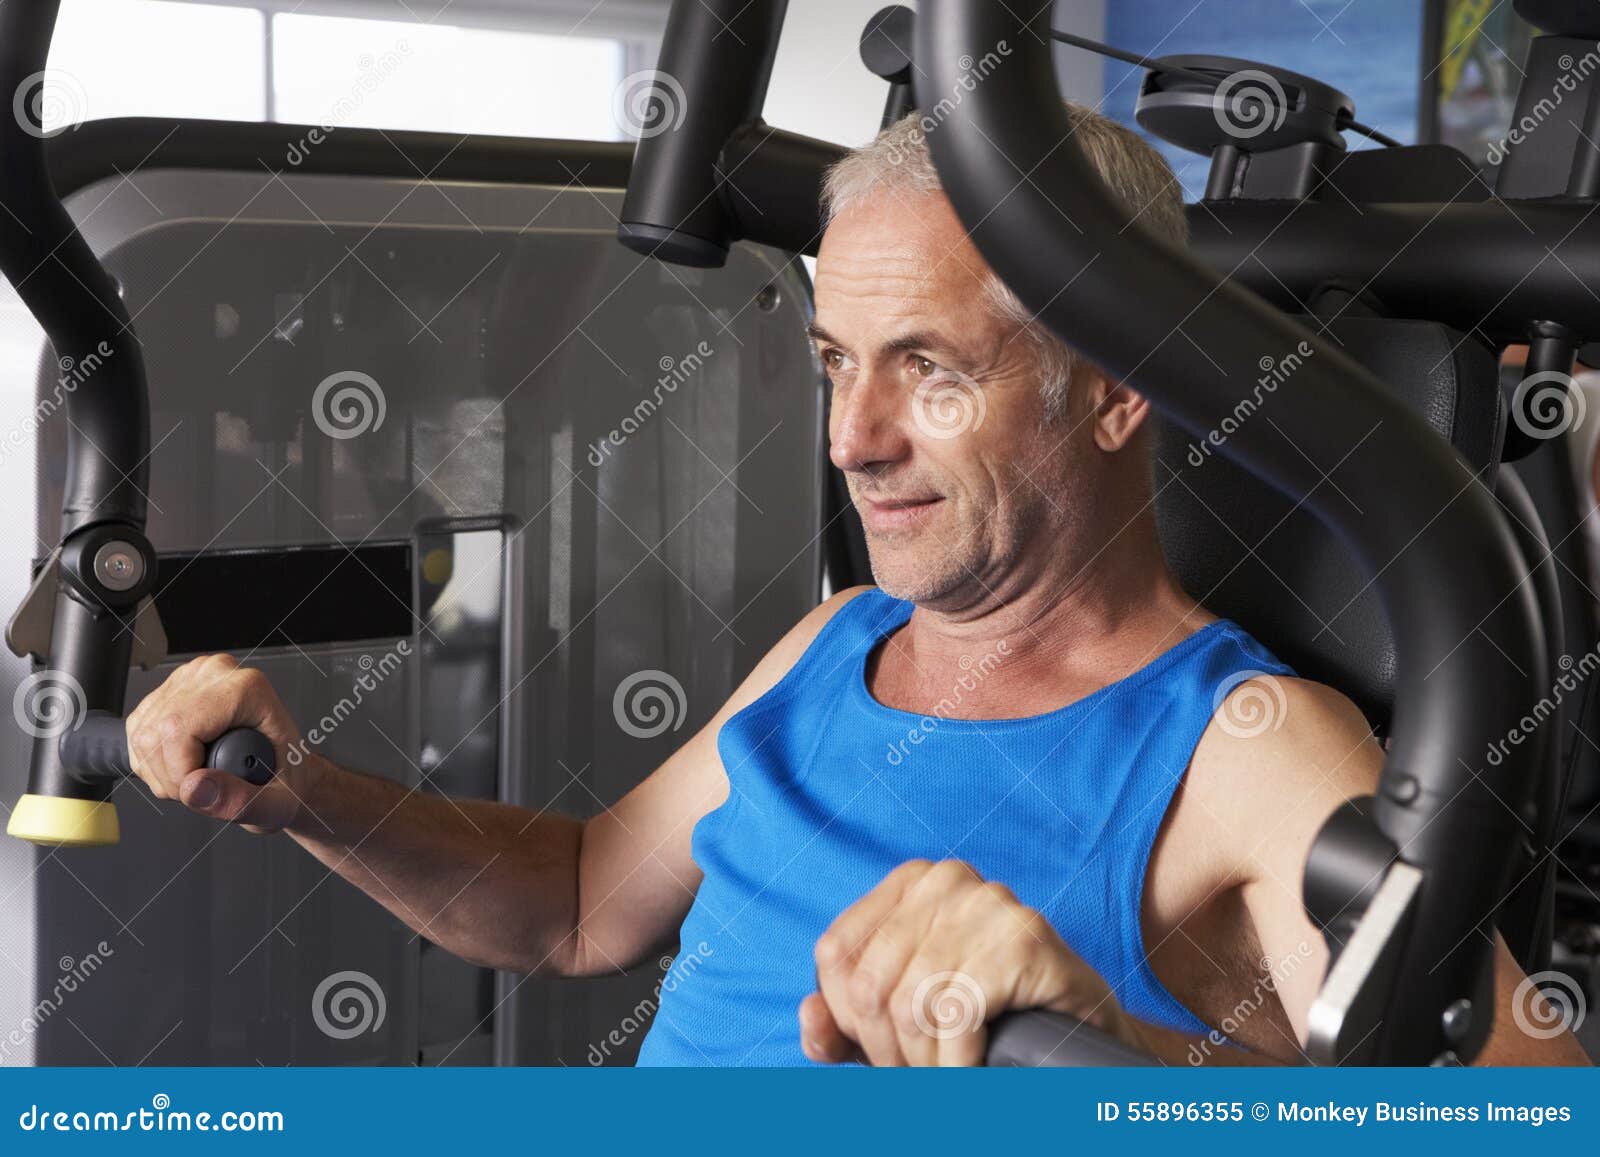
[[1279, 755], [786, 652]]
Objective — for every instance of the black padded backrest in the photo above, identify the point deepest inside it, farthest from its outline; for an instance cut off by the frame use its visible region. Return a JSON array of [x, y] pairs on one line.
[[1250, 554]]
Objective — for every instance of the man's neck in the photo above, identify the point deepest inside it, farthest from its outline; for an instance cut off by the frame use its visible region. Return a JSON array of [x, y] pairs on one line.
[[1047, 638]]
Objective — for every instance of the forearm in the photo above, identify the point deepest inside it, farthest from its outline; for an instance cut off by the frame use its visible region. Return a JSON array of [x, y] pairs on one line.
[[496, 885]]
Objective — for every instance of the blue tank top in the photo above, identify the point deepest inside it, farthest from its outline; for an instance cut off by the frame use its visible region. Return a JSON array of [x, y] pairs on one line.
[[829, 790]]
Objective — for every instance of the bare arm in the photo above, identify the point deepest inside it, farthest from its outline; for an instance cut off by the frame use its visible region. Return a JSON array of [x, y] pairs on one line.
[[935, 943], [495, 884], [1318, 760]]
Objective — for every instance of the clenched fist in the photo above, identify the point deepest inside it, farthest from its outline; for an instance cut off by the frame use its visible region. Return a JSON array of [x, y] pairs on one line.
[[915, 970], [168, 733]]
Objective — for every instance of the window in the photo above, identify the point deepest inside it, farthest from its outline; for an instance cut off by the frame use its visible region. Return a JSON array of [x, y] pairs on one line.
[[1481, 52], [390, 74], [234, 61], [114, 58], [1368, 49]]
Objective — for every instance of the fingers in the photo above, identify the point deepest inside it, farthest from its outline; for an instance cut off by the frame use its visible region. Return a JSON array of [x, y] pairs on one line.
[[914, 971], [226, 797], [169, 731], [821, 1039], [857, 997]]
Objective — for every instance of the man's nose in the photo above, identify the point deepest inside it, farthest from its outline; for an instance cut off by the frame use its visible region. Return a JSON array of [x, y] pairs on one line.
[[866, 425]]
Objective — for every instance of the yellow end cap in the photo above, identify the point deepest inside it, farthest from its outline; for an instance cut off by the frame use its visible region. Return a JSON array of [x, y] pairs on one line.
[[65, 823], [437, 565]]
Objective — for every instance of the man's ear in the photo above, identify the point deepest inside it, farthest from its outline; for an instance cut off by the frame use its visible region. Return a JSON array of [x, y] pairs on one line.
[[1119, 412]]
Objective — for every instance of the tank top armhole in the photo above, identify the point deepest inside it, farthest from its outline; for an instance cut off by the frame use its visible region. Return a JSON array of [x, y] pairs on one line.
[[1158, 999], [1249, 657], [851, 621], [853, 611]]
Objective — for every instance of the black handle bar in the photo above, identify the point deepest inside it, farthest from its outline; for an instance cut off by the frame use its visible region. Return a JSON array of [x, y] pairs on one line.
[[1032, 1040], [1466, 631], [96, 750], [104, 567]]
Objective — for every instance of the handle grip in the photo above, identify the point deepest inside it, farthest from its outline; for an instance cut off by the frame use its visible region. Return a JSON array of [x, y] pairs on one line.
[[1041, 1039], [97, 749]]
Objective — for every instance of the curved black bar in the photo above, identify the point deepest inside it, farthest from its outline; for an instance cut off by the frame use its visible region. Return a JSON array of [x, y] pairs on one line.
[[710, 80], [102, 387], [708, 171], [1053, 1040], [1453, 590], [47, 261]]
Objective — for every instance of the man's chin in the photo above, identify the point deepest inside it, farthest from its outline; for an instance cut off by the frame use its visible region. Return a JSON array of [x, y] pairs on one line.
[[915, 579]]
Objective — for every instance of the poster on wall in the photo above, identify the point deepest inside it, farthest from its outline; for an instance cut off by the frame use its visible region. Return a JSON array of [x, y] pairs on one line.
[[1482, 44]]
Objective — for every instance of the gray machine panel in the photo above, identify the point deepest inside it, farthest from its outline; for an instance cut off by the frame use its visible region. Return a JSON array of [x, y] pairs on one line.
[[608, 469]]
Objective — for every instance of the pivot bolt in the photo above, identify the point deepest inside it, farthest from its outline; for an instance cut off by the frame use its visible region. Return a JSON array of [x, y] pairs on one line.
[[118, 566]]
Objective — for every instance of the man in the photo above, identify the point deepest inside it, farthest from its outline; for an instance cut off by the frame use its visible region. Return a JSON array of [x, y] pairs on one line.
[[1026, 770]]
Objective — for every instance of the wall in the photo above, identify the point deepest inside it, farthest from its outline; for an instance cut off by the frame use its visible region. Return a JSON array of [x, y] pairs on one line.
[[821, 88], [819, 85]]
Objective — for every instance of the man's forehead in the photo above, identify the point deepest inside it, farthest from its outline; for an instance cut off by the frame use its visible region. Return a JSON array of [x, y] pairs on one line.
[[895, 224], [874, 253]]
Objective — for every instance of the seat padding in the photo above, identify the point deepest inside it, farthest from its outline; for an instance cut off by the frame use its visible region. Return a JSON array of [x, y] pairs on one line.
[[1248, 553]]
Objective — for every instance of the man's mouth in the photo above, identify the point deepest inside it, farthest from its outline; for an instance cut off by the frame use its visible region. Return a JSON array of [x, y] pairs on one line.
[[887, 514]]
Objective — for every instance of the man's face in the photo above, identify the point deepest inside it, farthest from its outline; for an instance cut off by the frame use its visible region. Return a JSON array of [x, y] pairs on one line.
[[938, 418]]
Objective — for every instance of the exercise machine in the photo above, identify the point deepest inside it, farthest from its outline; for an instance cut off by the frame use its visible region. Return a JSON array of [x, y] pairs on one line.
[[452, 597], [1392, 249], [719, 204]]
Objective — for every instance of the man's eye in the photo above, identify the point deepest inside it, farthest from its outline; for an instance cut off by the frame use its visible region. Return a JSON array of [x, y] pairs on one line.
[[923, 367], [832, 359]]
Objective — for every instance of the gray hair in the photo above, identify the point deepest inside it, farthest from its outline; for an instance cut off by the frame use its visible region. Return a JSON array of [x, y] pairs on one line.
[[898, 162]]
